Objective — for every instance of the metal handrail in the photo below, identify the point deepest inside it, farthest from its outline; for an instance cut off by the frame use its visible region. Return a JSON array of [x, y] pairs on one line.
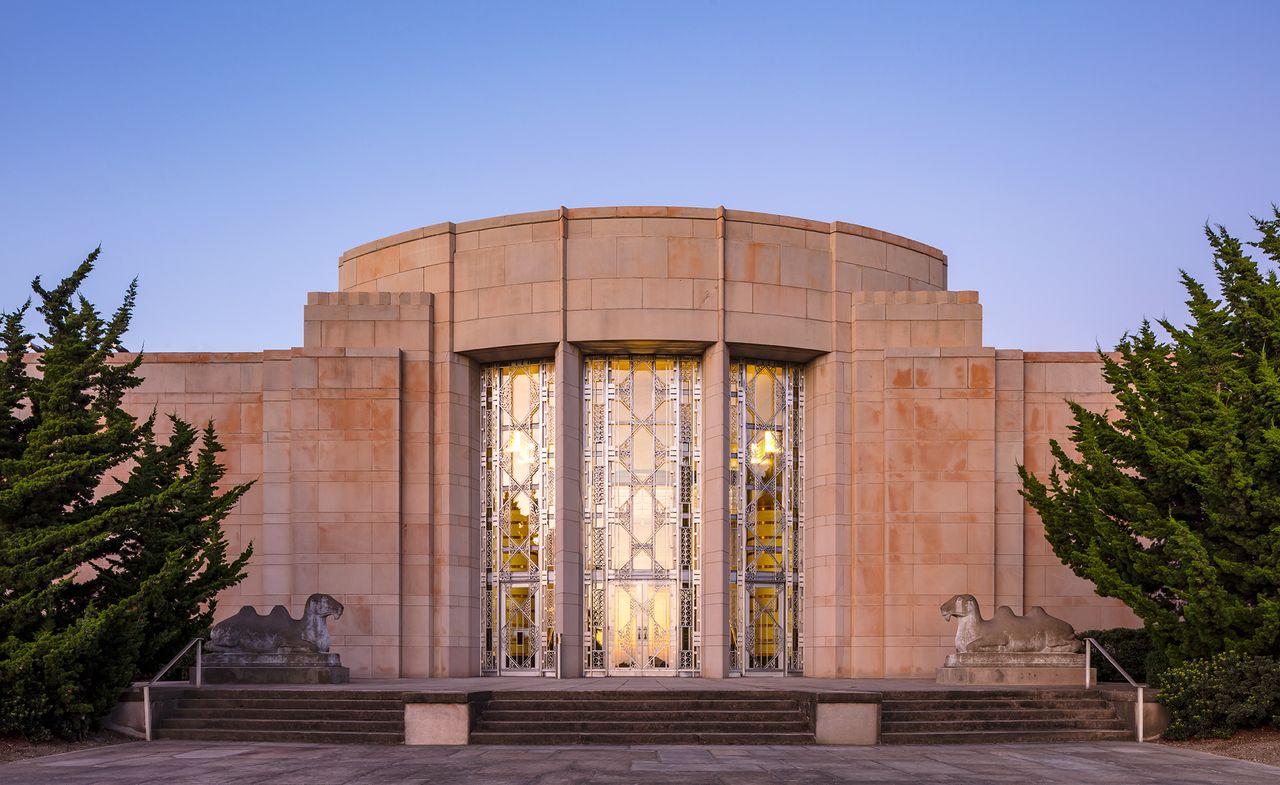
[[1138, 711], [557, 640], [146, 688]]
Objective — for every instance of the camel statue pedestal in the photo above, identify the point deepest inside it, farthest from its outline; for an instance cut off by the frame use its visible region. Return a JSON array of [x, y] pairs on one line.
[[250, 648], [284, 668], [1009, 649]]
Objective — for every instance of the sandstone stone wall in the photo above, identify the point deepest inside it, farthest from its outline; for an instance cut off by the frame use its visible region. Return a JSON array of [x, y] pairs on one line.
[[366, 439]]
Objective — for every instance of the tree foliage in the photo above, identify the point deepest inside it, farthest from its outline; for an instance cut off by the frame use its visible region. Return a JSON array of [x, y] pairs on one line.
[[1171, 502], [111, 548]]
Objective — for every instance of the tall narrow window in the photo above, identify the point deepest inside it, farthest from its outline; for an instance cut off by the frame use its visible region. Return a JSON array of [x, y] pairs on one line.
[[766, 517], [518, 477], [641, 512]]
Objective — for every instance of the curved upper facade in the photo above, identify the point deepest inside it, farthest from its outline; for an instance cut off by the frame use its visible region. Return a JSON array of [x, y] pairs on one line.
[[600, 276]]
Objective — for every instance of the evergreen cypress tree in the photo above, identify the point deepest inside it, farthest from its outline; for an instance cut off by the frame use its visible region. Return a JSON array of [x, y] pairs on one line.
[[1171, 503], [110, 546]]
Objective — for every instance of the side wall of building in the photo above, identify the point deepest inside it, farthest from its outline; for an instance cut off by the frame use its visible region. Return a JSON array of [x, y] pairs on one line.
[[940, 424], [336, 439]]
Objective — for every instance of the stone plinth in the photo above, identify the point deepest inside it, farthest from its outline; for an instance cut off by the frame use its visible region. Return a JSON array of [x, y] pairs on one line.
[[996, 659], [437, 723], [274, 668], [1014, 668]]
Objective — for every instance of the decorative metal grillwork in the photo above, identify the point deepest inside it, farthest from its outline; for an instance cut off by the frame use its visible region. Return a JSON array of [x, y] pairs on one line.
[[766, 517], [517, 470], [641, 514]]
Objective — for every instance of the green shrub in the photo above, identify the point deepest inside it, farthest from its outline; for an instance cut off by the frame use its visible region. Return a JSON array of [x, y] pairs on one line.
[[1219, 695], [112, 552], [1156, 664], [1130, 647]]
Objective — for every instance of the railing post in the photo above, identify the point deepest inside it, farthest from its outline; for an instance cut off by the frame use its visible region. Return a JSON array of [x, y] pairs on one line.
[[558, 655], [146, 711], [199, 663], [1142, 714], [1139, 706]]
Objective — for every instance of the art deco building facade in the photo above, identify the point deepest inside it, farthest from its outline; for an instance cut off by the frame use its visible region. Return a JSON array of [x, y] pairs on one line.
[[640, 441]]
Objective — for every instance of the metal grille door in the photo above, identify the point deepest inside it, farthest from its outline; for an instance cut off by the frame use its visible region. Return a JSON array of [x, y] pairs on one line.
[[518, 477], [640, 514], [766, 517]]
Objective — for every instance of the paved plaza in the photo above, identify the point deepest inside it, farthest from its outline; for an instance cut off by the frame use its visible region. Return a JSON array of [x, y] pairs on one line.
[[230, 763]]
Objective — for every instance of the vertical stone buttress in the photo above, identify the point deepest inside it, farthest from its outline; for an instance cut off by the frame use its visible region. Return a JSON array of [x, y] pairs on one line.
[[828, 531], [1009, 451], [714, 564], [456, 535], [568, 486]]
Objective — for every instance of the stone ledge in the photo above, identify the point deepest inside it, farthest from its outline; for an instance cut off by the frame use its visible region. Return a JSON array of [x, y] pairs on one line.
[[276, 674], [1002, 659], [1013, 675]]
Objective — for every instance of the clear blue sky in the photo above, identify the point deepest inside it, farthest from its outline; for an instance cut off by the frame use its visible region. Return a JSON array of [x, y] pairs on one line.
[[1065, 155]]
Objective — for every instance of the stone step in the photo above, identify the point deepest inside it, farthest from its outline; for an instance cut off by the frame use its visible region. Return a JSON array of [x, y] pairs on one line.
[[1005, 737], [692, 715], [629, 704], [348, 715], [542, 739], [314, 737], [243, 724], [318, 704], [984, 694], [628, 725], [953, 726], [983, 704], [635, 717], [322, 694], [658, 695], [998, 714], [320, 717]]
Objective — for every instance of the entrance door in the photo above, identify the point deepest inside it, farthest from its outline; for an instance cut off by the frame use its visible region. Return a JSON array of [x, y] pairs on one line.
[[641, 515], [640, 614]]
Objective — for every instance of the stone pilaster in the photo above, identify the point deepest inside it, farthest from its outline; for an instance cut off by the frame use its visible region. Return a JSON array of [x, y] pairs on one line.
[[568, 508], [715, 511]]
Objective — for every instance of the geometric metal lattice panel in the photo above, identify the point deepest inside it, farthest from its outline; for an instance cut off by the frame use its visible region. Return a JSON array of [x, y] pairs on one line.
[[766, 517], [517, 470], [641, 515]]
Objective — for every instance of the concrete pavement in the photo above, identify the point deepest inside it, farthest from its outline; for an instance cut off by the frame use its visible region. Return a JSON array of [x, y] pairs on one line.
[[230, 763]]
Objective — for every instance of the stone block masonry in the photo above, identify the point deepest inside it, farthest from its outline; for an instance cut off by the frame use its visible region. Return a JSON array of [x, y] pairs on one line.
[[366, 440]]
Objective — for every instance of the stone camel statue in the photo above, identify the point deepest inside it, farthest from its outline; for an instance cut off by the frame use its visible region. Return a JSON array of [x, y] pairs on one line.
[[250, 631], [1035, 633]]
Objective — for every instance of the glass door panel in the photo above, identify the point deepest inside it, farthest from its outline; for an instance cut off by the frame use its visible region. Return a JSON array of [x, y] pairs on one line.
[[640, 628]]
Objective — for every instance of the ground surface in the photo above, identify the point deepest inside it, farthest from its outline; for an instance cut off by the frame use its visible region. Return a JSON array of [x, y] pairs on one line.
[[12, 749], [1261, 745], [230, 763]]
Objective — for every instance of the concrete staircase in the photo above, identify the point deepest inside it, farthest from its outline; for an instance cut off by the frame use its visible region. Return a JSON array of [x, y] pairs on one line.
[[963, 717], [326, 717], [625, 717]]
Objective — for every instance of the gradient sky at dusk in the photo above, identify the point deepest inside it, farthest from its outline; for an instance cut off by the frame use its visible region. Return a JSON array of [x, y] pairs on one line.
[[1064, 155]]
